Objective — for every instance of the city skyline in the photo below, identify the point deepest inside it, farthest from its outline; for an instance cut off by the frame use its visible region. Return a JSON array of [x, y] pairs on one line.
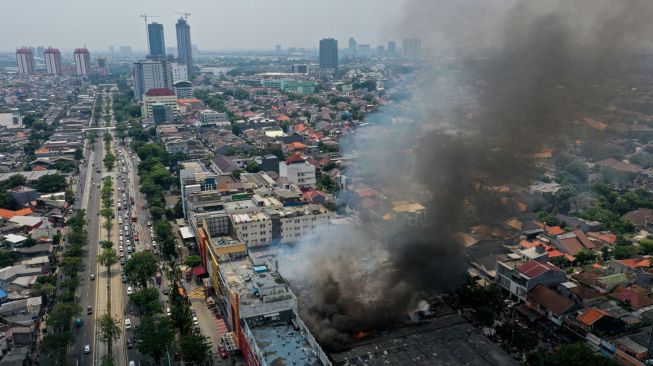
[[92, 32]]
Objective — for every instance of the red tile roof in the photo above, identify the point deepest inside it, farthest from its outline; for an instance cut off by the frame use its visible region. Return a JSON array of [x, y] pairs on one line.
[[634, 295], [159, 92], [7, 214], [584, 239], [591, 316], [571, 245], [636, 263], [534, 269], [295, 158]]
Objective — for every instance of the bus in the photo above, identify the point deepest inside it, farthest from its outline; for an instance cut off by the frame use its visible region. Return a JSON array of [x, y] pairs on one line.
[[133, 216]]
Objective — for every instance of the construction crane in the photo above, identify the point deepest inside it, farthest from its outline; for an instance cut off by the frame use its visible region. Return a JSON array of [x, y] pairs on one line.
[[145, 16], [184, 14]]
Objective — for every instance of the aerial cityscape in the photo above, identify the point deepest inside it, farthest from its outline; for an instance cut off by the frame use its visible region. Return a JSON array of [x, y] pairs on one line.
[[411, 182]]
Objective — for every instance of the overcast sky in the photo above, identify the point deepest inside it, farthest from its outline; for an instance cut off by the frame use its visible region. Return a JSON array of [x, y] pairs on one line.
[[215, 24]]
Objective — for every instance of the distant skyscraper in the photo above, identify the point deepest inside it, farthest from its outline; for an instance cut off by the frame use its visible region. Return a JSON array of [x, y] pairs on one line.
[[82, 61], [52, 61], [40, 51], [155, 41], [392, 49], [102, 64], [412, 47], [380, 51], [184, 47], [25, 61], [151, 74], [328, 53], [352, 46]]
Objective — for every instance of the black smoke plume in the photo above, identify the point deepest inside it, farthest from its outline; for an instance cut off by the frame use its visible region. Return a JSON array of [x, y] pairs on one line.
[[503, 80]]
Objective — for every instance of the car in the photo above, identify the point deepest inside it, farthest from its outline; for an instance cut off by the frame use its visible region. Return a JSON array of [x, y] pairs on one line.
[[130, 343], [165, 290], [122, 261], [128, 324], [168, 312], [132, 363], [223, 352], [126, 228], [92, 276], [149, 223], [124, 279], [197, 329], [122, 254], [89, 310], [129, 290], [193, 313], [87, 349], [129, 249]]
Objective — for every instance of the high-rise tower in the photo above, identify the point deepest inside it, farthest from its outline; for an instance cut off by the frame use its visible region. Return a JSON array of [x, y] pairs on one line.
[[156, 42], [52, 61], [184, 48]]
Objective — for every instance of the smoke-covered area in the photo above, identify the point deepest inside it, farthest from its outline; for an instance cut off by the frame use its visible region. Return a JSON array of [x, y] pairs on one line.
[[506, 79]]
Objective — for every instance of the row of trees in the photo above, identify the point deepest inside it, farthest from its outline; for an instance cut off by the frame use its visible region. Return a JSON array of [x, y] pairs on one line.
[[54, 347]]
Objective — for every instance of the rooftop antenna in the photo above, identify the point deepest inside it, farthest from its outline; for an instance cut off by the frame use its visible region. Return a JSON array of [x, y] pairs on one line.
[[185, 14], [145, 16]]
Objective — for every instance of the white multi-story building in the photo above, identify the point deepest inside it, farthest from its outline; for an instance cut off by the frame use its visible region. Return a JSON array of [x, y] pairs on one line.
[[253, 228], [151, 74], [25, 61], [209, 116], [179, 71], [298, 222], [53, 61], [157, 96], [298, 171], [82, 61]]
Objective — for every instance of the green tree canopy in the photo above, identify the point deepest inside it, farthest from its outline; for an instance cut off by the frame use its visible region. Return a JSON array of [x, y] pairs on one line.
[[140, 268]]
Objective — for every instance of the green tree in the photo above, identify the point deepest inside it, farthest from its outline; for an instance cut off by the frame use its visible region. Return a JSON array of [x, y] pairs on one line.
[[196, 350], [108, 258], [155, 335], [569, 355], [79, 154], [108, 330], [50, 183], [624, 251], [584, 256], [645, 247], [6, 258], [55, 347], [140, 268], [193, 260], [147, 300], [61, 315], [252, 167]]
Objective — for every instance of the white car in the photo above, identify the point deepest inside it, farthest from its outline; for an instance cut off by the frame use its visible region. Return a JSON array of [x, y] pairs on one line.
[[129, 290], [128, 324], [87, 348], [168, 312]]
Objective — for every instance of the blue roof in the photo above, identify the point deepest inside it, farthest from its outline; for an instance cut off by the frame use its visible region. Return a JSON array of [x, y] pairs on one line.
[[3, 293]]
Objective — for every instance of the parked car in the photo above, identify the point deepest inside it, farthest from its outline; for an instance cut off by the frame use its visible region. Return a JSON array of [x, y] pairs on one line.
[[89, 310], [128, 324], [129, 290], [92, 276], [223, 352], [87, 348]]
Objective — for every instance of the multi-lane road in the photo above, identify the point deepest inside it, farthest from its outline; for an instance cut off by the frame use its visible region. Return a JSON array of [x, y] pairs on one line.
[[95, 292]]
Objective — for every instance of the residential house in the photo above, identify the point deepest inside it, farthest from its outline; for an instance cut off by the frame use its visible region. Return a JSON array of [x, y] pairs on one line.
[[519, 277], [549, 303]]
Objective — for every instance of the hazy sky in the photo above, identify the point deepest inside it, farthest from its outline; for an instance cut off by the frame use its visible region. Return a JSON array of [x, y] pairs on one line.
[[215, 24]]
